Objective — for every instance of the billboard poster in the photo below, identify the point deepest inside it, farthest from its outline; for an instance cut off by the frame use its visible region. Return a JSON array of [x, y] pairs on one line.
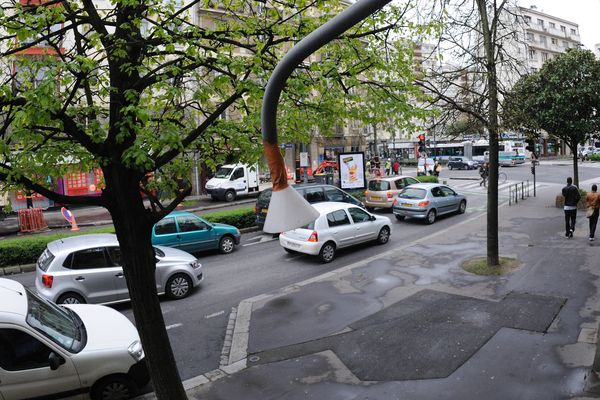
[[352, 170]]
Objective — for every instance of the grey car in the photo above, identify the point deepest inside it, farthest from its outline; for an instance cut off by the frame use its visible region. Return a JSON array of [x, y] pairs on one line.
[[428, 201], [87, 269]]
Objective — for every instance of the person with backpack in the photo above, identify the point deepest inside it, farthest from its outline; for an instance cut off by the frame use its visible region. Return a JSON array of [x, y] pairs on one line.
[[572, 197]]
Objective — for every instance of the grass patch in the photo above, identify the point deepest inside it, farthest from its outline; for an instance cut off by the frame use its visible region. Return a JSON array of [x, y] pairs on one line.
[[479, 266]]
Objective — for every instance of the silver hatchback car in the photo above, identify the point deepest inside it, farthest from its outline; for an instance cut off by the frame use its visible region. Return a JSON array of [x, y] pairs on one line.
[[428, 201], [87, 269]]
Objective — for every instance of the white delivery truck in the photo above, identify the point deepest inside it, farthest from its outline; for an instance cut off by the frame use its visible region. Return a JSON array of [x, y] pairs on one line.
[[233, 180]]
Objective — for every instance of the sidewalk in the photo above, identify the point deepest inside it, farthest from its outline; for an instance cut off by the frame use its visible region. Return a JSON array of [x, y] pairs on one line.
[[409, 323]]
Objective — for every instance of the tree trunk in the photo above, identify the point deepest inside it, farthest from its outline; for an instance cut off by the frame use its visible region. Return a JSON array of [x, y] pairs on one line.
[[493, 258], [133, 228], [575, 165]]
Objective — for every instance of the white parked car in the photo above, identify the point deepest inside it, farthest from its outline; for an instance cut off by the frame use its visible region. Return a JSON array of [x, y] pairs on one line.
[[338, 225], [50, 351]]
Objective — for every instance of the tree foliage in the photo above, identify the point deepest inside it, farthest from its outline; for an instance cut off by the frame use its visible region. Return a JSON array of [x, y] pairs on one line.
[[131, 86], [562, 98]]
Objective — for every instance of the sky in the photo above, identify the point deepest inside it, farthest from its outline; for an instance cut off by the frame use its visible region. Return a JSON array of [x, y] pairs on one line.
[[585, 13]]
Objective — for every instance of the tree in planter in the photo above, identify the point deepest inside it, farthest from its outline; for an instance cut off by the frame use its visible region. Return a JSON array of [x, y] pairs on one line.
[[129, 89], [479, 36], [562, 98]]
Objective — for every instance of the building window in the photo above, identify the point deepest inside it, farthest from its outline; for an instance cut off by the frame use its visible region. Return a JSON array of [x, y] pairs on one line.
[[544, 56], [533, 70], [531, 54], [543, 40], [565, 44], [530, 37], [527, 19], [573, 31], [552, 25], [540, 22], [555, 41], [563, 28]]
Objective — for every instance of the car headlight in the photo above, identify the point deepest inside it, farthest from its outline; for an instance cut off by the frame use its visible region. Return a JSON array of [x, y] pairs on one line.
[[136, 351], [195, 264]]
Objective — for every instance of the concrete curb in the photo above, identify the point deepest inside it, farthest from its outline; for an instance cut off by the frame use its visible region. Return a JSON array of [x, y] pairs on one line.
[[17, 269]]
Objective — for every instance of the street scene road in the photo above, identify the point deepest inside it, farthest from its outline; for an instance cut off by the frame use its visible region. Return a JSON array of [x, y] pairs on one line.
[[197, 325]]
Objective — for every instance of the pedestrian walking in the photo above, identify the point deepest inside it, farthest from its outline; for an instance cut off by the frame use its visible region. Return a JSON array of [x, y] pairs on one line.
[[437, 168], [592, 202], [484, 171], [396, 167], [572, 197], [388, 167]]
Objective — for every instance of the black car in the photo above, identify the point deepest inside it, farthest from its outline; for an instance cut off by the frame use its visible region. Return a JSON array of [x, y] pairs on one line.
[[312, 192], [461, 163]]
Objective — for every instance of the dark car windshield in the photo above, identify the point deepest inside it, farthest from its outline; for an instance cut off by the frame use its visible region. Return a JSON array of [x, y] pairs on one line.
[[378, 186], [58, 324], [264, 198], [223, 172], [412, 193]]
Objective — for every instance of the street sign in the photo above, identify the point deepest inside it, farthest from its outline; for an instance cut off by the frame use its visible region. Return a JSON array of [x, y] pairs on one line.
[[304, 159]]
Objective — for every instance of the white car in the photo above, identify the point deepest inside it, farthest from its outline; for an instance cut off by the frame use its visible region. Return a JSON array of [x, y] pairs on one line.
[[338, 225], [50, 351]]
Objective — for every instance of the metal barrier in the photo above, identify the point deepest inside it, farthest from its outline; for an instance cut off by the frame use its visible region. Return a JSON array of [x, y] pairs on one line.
[[31, 220], [520, 190]]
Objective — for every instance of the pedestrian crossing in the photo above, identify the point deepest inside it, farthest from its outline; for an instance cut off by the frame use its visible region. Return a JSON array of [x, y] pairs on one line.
[[473, 186]]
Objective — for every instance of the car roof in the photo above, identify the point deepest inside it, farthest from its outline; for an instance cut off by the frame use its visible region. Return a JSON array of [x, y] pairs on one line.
[[426, 185], [178, 213], [391, 178], [326, 207], [14, 299], [80, 242]]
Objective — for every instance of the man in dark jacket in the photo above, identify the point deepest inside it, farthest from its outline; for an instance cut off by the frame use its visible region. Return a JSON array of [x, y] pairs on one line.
[[572, 197]]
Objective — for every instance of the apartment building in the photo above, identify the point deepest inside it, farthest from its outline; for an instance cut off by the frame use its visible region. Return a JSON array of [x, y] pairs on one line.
[[547, 36]]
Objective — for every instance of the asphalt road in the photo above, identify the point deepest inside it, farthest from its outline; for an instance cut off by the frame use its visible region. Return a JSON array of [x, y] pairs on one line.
[[259, 265]]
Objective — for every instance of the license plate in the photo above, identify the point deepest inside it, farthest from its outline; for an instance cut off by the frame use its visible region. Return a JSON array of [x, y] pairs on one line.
[[376, 198], [289, 244], [407, 204]]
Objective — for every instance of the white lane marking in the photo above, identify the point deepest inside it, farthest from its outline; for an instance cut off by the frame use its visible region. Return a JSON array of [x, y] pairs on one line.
[[214, 314], [173, 326]]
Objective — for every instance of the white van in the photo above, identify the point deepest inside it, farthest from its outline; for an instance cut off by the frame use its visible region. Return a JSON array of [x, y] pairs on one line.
[[52, 352], [233, 180]]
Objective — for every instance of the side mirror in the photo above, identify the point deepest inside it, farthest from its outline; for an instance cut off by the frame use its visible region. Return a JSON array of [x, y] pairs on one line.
[[372, 218], [55, 361]]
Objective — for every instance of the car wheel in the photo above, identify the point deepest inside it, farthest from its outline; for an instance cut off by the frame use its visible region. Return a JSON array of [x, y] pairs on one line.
[[114, 387], [399, 217], [462, 207], [70, 298], [384, 235], [229, 196], [226, 244], [327, 253], [450, 167], [290, 250], [178, 286], [371, 209], [430, 219]]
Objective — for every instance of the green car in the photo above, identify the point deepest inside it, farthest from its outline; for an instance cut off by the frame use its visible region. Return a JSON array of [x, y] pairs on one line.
[[186, 231]]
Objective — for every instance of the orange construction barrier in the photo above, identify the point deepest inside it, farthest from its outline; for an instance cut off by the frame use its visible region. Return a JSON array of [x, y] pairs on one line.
[[31, 220]]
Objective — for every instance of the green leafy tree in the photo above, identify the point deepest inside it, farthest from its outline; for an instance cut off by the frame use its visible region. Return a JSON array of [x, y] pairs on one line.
[[131, 88], [562, 98]]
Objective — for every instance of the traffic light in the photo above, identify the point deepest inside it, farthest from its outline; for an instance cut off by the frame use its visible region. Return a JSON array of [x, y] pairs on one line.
[[422, 147]]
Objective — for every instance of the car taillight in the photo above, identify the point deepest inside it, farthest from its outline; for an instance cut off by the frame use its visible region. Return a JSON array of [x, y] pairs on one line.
[[366, 192], [47, 280], [396, 201], [390, 195], [314, 237], [423, 203]]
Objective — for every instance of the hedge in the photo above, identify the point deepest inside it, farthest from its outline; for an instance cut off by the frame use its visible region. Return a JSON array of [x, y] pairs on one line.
[[240, 218], [27, 249], [595, 157], [428, 178]]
